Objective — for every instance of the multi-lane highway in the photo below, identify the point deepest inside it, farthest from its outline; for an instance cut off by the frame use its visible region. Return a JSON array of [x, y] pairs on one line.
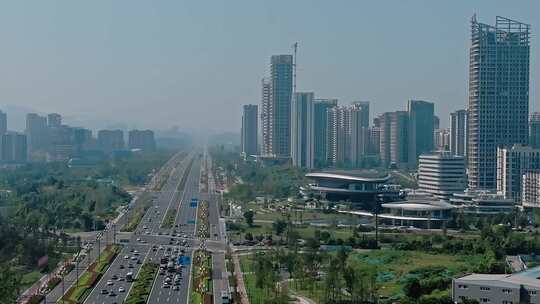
[[109, 234], [170, 239], [113, 286], [152, 241]]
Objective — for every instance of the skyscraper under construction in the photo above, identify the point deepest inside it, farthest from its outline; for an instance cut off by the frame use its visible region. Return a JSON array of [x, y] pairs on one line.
[[498, 95]]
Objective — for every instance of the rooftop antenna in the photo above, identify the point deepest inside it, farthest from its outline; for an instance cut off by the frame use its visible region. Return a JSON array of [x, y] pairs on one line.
[[295, 47]]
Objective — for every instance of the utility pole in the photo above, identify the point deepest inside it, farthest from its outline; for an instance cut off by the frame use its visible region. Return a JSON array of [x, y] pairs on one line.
[[63, 286], [77, 259], [98, 248]]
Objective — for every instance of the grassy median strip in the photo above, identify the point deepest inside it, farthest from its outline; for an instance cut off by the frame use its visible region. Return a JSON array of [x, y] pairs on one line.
[[77, 293], [185, 176], [143, 285], [203, 231], [202, 278], [170, 216], [138, 213]]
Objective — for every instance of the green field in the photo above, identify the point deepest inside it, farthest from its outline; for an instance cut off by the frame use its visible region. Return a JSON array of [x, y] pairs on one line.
[[394, 267], [143, 285]]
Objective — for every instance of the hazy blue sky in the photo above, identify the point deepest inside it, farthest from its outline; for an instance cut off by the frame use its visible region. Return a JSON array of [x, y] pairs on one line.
[[159, 63]]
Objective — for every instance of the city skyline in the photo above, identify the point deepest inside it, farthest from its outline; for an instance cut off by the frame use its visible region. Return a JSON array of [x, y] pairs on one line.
[[358, 70]]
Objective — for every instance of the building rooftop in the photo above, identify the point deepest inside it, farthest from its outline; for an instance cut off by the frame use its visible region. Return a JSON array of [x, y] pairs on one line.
[[353, 175], [530, 277], [441, 155]]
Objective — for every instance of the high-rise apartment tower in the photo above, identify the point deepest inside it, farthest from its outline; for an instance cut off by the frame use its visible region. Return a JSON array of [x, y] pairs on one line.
[[498, 95]]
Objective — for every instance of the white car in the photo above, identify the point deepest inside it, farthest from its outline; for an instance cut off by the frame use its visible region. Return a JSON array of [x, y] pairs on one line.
[[121, 289], [126, 257], [109, 283]]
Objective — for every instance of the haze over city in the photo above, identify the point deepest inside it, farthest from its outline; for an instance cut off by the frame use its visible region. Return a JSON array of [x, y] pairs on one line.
[[269, 152], [193, 64]]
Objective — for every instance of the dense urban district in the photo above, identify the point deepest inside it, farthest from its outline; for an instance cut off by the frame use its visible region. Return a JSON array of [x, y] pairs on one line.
[[316, 204]]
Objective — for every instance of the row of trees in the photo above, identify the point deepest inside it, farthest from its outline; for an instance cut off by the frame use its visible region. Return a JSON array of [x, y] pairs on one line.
[[280, 181], [41, 200], [329, 278]]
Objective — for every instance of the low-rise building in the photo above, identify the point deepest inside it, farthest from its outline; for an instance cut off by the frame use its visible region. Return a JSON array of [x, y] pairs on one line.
[[418, 213], [363, 188], [482, 202], [531, 189], [521, 287]]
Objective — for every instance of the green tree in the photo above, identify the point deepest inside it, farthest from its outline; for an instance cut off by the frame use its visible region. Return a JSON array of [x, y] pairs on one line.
[[248, 216], [10, 282], [412, 288], [279, 226]]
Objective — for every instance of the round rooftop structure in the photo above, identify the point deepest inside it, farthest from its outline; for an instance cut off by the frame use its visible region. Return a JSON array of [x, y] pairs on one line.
[[367, 176], [365, 187], [419, 206]]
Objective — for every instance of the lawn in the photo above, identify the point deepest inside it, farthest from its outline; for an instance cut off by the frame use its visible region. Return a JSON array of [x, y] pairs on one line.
[[143, 285], [195, 298], [300, 215], [255, 294], [305, 231], [30, 278]]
